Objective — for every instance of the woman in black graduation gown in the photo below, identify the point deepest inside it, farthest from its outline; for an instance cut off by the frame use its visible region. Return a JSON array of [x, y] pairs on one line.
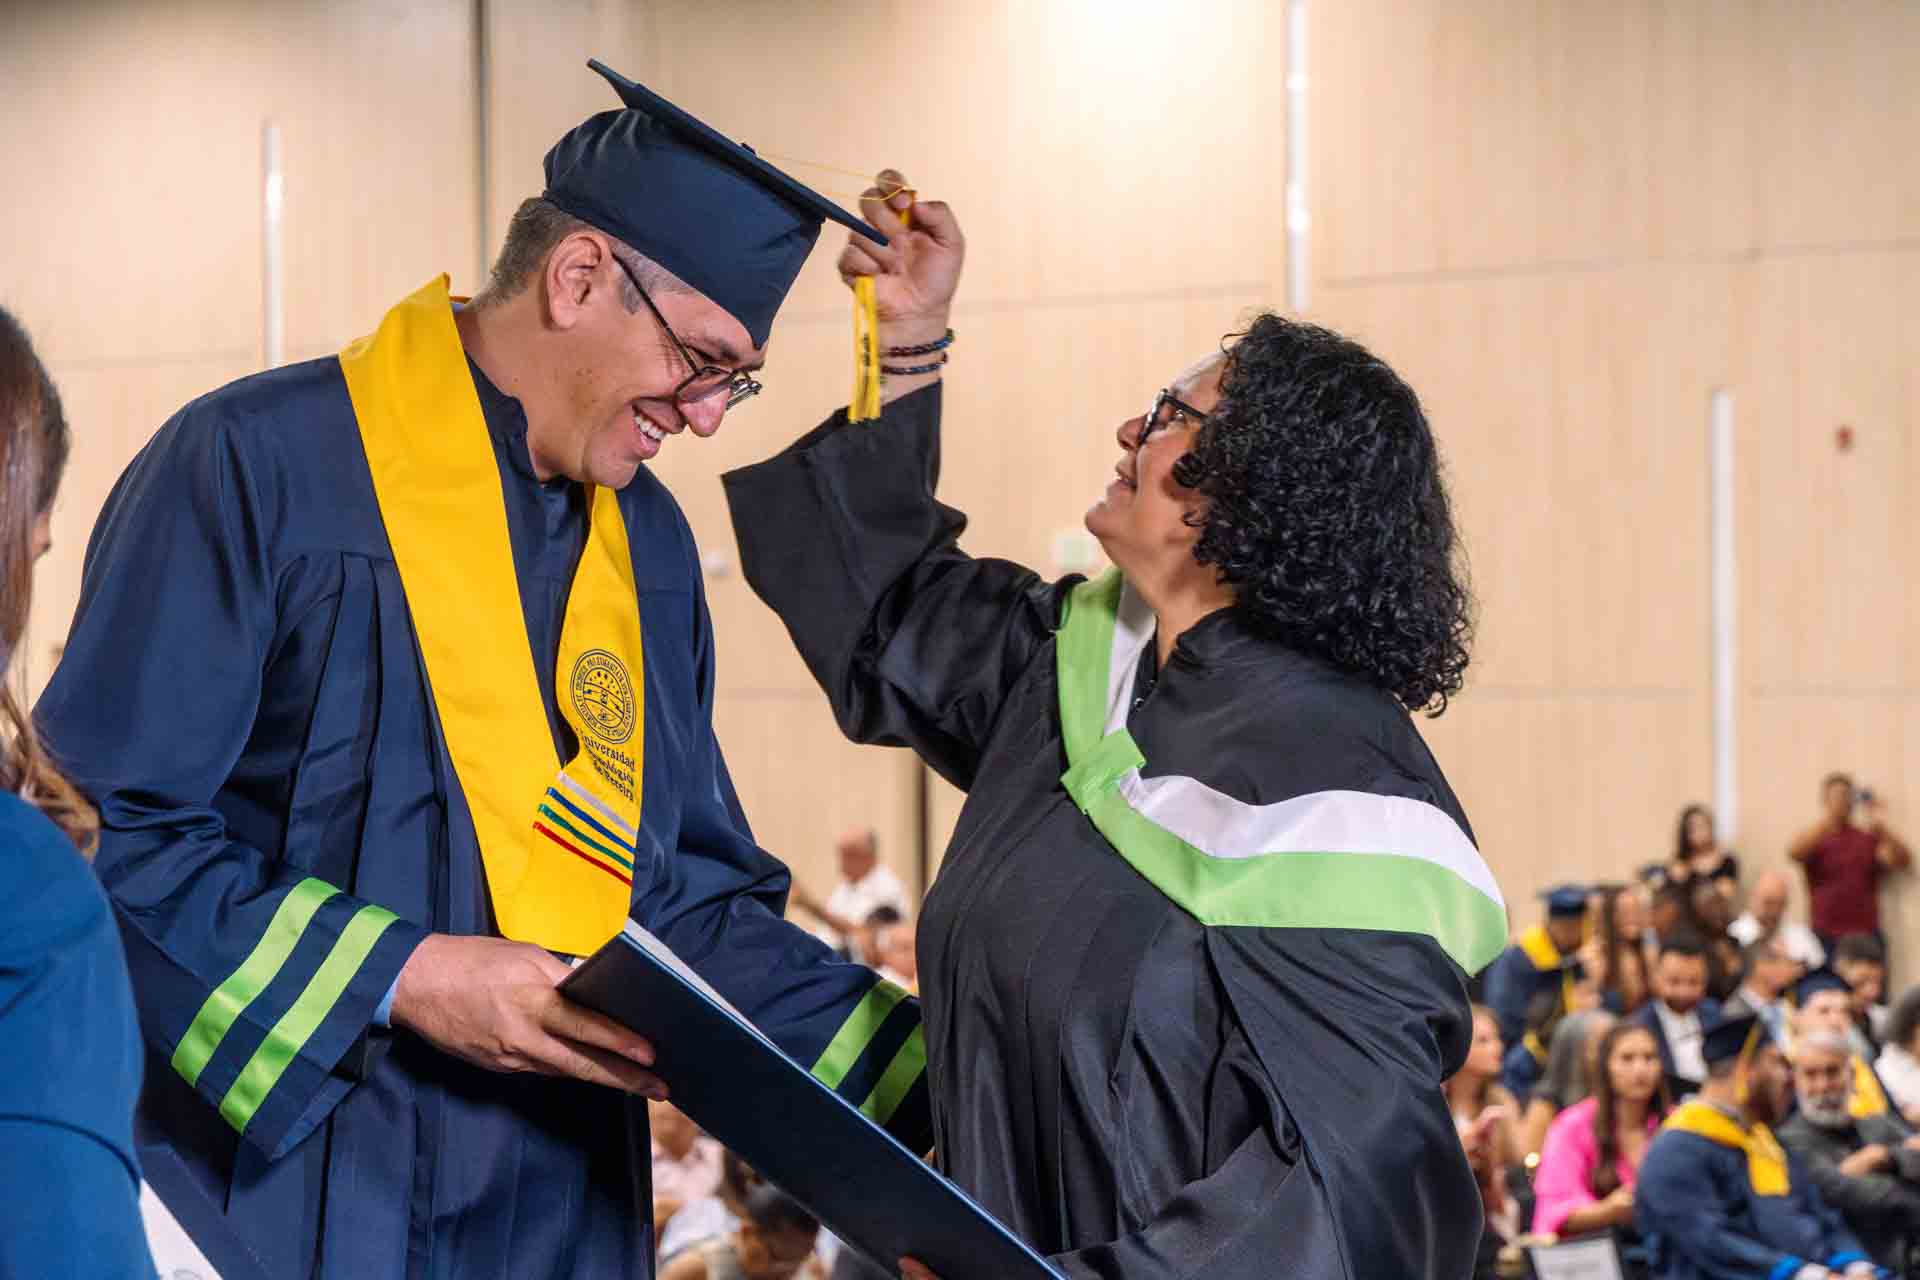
[[1193, 965]]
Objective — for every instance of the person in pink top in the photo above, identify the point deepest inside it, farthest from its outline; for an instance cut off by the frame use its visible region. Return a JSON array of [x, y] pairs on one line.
[[1592, 1153]]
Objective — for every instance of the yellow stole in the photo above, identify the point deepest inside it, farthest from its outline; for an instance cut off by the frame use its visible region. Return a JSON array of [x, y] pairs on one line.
[[1766, 1162], [558, 840], [1537, 943], [1868, 1099]]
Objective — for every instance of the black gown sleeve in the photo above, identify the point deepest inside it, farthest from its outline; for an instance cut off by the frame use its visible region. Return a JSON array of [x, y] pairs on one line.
[[914, 642]]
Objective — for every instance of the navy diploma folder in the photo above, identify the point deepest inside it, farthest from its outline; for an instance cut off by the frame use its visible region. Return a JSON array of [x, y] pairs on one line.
[[869, 1190]]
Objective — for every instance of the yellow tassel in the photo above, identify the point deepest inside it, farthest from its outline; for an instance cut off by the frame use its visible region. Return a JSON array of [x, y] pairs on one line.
[[865, 404]]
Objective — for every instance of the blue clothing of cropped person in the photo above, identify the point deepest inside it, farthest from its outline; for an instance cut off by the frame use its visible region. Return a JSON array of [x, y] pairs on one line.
[[69, 1182]]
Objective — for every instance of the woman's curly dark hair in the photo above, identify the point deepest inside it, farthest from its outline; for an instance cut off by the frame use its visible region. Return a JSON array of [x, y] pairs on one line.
[[1326, 511]]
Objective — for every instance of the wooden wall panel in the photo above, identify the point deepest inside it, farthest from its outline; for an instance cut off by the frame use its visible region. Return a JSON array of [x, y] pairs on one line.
[[144, 288], [132, 215], [802, 784]]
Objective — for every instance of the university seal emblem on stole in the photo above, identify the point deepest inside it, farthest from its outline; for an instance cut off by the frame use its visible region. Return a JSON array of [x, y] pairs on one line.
[[603, 695]]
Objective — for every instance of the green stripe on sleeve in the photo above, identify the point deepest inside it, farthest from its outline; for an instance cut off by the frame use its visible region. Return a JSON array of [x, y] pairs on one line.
[[297, 1025], [851, 1040], [230, 999], [908, 1065]]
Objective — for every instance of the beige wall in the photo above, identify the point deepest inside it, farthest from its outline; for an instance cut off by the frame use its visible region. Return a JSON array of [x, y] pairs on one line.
[[1569, 224], [1566, 223]]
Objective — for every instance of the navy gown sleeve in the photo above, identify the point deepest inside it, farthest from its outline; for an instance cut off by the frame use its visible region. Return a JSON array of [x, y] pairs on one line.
[[915, 642], [1510, 984], [720, 905], [69, 1185], [253, 978], [1679, 1205]]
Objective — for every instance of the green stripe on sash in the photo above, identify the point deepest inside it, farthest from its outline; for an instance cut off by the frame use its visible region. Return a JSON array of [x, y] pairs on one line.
[[1083, 648], [297, 1025], [1301, 889], [855, 1033], [908, 1065], [558, 820], [1306, 890], [230, 999]]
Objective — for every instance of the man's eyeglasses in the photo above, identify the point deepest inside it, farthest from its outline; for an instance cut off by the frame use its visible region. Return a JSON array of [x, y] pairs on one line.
[[1167, 409], [706, 380]]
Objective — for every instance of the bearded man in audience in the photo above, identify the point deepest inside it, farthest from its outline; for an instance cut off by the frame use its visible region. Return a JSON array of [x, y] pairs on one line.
[[1868, 1167], [1826, 1004]]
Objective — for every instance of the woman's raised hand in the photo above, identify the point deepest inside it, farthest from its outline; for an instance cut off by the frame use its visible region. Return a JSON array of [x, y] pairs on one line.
[[916, 273]]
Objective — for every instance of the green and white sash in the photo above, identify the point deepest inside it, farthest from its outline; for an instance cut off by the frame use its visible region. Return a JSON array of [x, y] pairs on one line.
[[1324, 860]]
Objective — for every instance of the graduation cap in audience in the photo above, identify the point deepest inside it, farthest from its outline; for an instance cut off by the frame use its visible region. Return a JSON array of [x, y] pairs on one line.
[[1565, 900], [1816, 982], [1737, 1032], [704, 207]]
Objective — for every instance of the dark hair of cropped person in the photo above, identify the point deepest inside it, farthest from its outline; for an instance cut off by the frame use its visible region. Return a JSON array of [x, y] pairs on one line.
[[1684, 942], [1858, 948], [1681, 849], [1606, 1126], [537, 227], [1903, 1020], [1327, 513], [34, 442], [771, 1209], [1617, 954]]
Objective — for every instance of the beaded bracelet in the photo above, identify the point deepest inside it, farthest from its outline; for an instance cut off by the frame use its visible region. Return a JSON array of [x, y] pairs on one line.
[[924, 349], [907, 371]]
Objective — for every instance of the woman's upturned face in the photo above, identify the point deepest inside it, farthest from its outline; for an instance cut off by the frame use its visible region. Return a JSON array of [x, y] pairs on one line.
[[1633, 1068], [1699, 831], [1142, 517]]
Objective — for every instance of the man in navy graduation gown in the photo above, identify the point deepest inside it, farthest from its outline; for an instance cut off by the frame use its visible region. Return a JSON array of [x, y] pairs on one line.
[[1718, 1198], [1543, 960], [351, 1073]]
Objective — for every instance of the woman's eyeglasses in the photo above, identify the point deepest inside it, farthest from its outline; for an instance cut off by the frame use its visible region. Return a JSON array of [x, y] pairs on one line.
[[1167, 409]]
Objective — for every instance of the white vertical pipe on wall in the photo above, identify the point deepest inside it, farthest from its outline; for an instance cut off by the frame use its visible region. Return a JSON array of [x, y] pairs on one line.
[[1298, 219], [273, 320], [1726, 791]]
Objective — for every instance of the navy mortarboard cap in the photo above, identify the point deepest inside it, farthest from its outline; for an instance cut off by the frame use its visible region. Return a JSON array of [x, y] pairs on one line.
[[1820, 980], [1565, 900], [705, 208], [1730, 1036]]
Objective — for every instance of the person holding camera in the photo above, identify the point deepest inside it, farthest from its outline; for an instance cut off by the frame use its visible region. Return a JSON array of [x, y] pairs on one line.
[[1844, 861]]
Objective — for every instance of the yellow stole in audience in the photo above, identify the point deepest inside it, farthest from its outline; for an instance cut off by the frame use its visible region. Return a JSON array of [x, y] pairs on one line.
[[1868, 1098], [558, 839], [1537, 943], [1766, 1162]]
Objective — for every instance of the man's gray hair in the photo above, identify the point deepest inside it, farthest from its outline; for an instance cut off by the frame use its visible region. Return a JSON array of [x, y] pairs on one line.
[[1823, 1041], [537, 228]]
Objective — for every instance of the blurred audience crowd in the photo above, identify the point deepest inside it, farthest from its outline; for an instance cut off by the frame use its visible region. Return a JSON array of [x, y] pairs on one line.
[[1634, 1018]]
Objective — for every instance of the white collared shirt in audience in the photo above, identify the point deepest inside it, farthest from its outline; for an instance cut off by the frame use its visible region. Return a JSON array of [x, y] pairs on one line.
[[855, 900], [1682, 1031], [1900, 1073]]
